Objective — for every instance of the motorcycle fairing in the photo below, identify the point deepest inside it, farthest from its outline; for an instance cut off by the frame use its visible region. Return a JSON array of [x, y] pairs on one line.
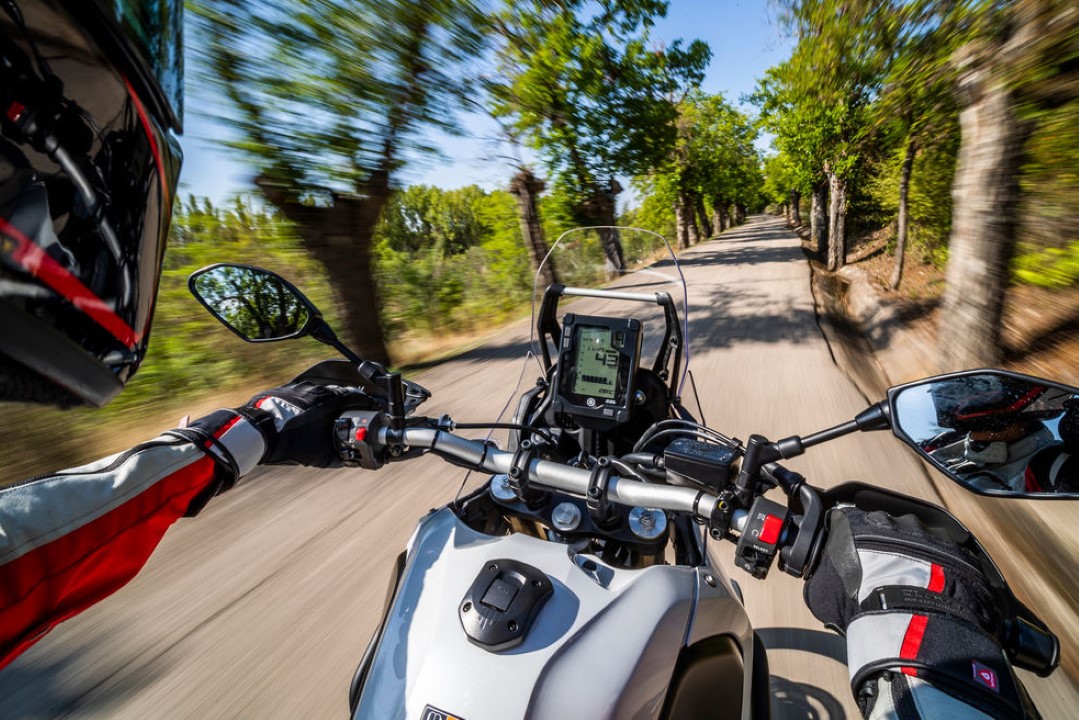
[[604, 645]]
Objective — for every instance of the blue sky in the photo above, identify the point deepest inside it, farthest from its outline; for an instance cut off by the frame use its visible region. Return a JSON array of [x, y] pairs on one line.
[[743, 35]]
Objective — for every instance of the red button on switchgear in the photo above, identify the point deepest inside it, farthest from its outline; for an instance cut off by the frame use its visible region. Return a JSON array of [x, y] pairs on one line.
[[770, 529], [14, 111], [361, 434]]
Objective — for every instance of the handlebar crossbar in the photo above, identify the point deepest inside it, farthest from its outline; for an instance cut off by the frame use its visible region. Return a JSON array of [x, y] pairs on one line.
[[558, 476]]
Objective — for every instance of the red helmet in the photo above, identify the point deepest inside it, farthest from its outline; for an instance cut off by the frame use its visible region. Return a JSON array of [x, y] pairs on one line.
[[90, 104], [985, 402]]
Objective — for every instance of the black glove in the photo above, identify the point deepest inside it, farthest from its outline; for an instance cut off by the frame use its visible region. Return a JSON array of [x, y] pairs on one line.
[[296, 420], [288, 424], [915, 608]]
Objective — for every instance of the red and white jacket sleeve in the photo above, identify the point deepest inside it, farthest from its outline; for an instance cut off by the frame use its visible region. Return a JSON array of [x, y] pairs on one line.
[[69, 539]]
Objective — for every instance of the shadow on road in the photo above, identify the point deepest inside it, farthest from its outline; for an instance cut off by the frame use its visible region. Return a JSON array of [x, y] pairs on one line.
[[792, 700], [59, 682], [729, 315], [818, 642], [726, 254]]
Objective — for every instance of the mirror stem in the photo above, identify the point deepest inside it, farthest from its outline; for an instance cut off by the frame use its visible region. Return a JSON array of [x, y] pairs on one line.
[[321, 331], [830, 434], [874, 417]]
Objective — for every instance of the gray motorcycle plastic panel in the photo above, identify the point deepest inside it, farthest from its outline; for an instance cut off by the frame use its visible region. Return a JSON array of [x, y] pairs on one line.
[[594, 651], [720, 612]]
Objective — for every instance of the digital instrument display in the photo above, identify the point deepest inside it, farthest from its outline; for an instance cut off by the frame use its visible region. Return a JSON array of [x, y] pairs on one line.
[[597, 363]]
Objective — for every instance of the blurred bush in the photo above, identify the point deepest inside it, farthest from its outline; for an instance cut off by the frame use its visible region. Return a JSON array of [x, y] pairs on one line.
[[1053, 267], [449, 260]]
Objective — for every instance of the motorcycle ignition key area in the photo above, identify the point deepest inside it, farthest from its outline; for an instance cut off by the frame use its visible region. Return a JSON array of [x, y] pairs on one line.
[[502, 603]]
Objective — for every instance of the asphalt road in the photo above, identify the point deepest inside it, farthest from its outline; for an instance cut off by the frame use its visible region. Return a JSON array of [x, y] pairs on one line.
[[262, 606]]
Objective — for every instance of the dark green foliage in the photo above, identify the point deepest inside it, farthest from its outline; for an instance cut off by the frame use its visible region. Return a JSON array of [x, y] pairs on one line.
[[656, 209], [930, 195], [1050, 181], [718, 158], [867, 79]]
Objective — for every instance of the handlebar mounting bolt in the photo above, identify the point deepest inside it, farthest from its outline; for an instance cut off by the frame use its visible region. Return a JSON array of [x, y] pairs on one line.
[[647, 523], [566, 517], [501, 490]]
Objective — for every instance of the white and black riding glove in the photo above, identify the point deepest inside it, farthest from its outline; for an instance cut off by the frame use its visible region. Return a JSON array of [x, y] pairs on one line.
[[919, 618], [297, 421], [294, 421]]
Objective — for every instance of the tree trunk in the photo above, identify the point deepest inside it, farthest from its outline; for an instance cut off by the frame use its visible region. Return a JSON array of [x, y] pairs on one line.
[[612, 249], [796, 212], [680, 226], [685, 217], [339, 237], [787, 212], [817, 229], [717, 219], [740, 213], [837, 215], [721, 210], [985, 197], [904, 213], [694, 234], [702, 216], [527, 187], [600, 210]]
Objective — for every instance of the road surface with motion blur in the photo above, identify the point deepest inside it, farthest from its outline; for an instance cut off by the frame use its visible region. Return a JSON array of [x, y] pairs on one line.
[[262, 606]]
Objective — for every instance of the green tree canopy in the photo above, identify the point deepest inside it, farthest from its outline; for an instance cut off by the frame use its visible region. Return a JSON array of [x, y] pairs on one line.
[[584, 85]]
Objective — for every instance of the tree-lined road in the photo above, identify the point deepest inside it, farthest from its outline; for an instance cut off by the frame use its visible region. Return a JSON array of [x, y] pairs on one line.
[[262, 606]]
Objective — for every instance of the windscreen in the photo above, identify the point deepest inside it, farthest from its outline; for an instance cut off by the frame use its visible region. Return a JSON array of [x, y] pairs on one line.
[[614, 260]]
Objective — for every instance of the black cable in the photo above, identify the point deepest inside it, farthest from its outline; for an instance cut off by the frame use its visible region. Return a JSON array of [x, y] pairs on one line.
[[546, 435], [641, 458], [673, 422], [680, 432], [627, 470]]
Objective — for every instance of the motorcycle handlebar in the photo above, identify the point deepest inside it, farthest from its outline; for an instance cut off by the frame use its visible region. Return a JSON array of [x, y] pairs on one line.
[[557, 476]]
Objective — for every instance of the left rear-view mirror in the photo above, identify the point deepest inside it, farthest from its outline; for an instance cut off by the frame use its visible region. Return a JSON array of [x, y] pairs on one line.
[[256, 304]]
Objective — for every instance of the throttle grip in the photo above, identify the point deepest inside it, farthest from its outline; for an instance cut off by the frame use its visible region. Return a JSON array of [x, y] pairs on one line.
[[1031, 647]]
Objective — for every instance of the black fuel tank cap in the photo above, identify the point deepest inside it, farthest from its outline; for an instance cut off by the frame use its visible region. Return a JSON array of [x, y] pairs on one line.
[[503, 601]]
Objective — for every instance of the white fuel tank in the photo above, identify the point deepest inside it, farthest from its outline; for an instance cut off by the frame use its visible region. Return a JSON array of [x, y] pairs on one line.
[[603, 646]]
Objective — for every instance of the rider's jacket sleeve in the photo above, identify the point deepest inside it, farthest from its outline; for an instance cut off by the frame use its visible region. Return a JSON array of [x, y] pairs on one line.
[[69, 539]]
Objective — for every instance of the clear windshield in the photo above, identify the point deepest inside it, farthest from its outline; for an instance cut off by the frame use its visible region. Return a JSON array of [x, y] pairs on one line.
[[634, 269]]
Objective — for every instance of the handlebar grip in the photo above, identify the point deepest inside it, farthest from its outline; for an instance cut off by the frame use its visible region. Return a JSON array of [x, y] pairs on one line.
[[787, 480], [798, 556], [1032, 648]]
